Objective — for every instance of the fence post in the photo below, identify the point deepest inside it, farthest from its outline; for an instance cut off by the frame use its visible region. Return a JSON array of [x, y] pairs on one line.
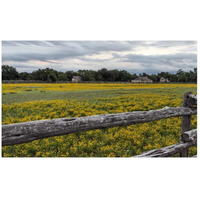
[[185, 126]]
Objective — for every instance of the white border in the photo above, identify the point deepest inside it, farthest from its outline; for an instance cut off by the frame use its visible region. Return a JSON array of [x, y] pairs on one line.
[[96, 178]]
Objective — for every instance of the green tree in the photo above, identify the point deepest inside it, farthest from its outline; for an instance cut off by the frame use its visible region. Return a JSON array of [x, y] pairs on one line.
[[70, 74], [114, 75], [45, 75], [124, 76], [155, 78], [25, 76], [62, 76], [193, 75], [87, 75], [103, 74], [181, 77], [9, 73]]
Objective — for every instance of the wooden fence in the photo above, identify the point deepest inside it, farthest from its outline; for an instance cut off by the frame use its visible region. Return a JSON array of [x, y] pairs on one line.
[[34, 130]]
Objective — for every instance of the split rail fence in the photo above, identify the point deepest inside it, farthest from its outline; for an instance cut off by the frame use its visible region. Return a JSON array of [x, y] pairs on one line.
[[28, 131]]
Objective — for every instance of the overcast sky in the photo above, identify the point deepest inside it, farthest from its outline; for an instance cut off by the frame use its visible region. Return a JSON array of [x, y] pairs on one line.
[[134, 56]]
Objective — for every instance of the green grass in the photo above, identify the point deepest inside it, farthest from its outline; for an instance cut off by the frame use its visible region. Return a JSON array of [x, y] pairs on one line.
[[90, 95], [86, 101]]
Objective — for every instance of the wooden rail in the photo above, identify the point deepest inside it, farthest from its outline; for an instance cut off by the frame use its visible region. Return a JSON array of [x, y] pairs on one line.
[[29, 131], [34, 130], [190, 139]]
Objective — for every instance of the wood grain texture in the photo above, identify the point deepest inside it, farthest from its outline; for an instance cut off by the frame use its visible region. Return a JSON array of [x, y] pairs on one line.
[[186, 120], [29, 131], [189, 135], [191, 100], [169, 150]]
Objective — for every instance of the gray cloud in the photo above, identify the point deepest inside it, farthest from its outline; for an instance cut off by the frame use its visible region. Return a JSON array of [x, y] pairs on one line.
[[170, 63], [124, 54], [57, 49], [175, 43], [158, 58]]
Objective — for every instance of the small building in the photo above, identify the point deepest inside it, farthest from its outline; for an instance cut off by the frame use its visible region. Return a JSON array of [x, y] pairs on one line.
[[142, 79], [76, 79], [164, 80]]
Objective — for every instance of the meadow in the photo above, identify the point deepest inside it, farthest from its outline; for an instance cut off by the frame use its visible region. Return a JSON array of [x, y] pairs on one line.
[[29, 102]]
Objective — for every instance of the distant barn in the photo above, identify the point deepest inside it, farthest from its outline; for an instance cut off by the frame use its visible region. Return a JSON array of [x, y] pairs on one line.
[[76, 79], [142, 79], [164, 80]]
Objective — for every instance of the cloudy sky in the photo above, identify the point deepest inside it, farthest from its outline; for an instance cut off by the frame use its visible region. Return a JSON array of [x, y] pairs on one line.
[[134, 56]]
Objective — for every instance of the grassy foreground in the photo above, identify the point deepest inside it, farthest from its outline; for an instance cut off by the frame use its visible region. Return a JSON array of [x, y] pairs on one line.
[[28, 102]]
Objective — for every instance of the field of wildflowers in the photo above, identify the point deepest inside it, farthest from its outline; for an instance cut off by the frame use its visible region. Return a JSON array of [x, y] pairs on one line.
[[98, 99]]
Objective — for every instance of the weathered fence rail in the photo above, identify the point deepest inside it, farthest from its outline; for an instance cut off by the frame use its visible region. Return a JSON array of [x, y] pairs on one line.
[[29, 131], [34, 130], [190, 139]]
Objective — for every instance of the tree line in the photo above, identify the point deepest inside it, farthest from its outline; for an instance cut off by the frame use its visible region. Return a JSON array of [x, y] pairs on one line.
[[51, 75]]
